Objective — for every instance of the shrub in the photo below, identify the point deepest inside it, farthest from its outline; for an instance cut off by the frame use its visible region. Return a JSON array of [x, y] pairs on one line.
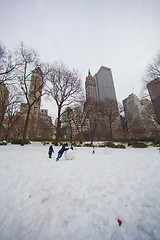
[[2, 143], [120, 146], [101, 145], [130, 144], [64, 143], [155, 144], [55, 144], [139, 145], [39, 139], [88, 145], [73, 143], [19, 141], [110, 144]]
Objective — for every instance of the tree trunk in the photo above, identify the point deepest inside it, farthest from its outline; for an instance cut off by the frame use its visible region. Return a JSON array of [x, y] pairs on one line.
[[58, 125], [110, 130], [1, 130], [25, 127], [7, 134]]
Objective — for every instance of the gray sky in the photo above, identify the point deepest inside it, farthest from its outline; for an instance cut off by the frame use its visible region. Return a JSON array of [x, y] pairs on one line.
[[87, 34]]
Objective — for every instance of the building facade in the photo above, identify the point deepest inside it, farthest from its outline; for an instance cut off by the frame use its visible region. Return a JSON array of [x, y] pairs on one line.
[[91, 88], [100, 88], [105, 85], [35, 93], [133, 107], [77, 123], [154, 92], [46, 129]]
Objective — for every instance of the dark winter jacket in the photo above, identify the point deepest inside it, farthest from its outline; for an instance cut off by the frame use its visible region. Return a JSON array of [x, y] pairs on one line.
[[61, 151], [51, 149]]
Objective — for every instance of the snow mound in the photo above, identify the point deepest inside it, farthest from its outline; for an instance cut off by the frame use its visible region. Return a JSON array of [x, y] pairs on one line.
[[107, 150], [69, 154]]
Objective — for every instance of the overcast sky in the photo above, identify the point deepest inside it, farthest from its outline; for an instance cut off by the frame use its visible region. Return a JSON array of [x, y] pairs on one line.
[[87, 34]]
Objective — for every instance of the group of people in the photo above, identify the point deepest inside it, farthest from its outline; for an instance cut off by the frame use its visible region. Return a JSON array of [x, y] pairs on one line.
[[60, 152]]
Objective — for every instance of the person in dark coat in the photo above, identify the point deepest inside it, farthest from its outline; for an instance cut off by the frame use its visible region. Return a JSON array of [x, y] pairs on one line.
[[61, 151], [50, 151], [93, 150]]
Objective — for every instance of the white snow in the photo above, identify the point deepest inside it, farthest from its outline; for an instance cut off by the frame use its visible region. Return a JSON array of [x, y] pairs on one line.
[[69, 154], [41, 199]]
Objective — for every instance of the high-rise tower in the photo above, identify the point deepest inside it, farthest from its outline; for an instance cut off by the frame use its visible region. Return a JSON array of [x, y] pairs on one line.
[[105, 85], [35, 93], [106, 93]]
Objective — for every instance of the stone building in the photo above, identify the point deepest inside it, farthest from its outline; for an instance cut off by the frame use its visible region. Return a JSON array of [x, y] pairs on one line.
[[46, 129], [35, 92], [39, 124], [91, 89], [77, 123]]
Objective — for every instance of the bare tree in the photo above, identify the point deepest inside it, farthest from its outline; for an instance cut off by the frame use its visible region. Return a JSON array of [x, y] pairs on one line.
[[111, 112], [8, 65], [12, 111], [45, 128], [95, 113], [153, 69], [151, 73], [4, 94], [148, 113], [79, 119], [29, 64], [64, 86]]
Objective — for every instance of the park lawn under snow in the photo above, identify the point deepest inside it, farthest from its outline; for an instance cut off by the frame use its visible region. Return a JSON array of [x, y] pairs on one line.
[[80, 199]]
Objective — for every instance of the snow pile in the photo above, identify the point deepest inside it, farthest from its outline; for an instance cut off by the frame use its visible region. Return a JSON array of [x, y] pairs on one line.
[[95, 197], [70, 154]]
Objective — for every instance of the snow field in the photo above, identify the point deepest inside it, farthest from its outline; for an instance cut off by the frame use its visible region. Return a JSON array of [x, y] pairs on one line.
[[82, 199]]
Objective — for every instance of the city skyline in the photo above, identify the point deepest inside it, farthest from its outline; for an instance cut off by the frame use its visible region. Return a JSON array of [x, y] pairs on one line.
[[121, 35]]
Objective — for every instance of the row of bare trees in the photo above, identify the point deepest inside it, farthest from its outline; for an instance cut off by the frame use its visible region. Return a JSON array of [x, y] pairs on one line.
[[103, 118], [59, 83]]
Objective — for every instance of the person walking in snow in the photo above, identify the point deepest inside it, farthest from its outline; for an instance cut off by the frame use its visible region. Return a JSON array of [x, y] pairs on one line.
[[93, 150], [61, 151], [50, 151]]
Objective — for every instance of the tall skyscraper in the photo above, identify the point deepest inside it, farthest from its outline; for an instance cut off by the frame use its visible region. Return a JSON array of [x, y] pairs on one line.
[[105, 85], [35, 92], [91, 89], [154, 92], [100, 88]]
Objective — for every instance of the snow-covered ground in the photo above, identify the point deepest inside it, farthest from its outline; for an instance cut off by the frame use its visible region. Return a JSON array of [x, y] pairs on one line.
[[80, 199]]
